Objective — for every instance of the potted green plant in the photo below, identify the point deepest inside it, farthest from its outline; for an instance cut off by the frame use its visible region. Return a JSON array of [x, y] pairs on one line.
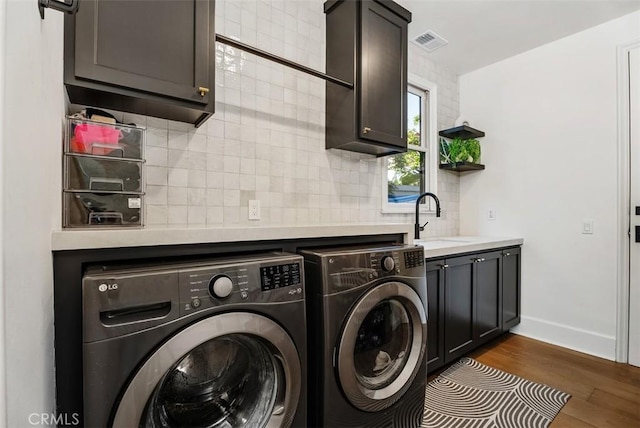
[[459, 150]]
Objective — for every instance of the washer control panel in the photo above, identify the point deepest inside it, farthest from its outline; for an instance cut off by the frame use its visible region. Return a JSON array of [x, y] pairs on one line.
[[120, 299], [278, 276], [266, 280]]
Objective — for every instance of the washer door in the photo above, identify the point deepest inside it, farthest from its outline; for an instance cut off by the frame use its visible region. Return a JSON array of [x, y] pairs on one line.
[[382, 346], [230, 370]]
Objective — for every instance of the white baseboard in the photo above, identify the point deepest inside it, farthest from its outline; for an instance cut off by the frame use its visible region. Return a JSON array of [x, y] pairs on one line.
[[577, 339]]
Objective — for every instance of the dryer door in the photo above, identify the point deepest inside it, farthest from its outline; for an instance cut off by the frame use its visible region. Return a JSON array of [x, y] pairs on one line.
[[229, 370], [382, 346]]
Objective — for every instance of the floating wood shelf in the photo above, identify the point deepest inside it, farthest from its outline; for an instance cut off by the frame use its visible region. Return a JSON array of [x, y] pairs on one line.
[[462, 166], [465, 132]]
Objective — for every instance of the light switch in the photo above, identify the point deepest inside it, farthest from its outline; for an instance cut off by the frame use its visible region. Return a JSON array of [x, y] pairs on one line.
[[587, 227]]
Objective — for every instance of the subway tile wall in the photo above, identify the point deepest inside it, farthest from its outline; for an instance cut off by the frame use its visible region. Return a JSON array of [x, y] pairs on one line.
[[266, 138]]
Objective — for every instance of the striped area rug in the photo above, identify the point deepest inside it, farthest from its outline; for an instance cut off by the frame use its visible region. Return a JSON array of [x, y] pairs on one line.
[[471, 395]]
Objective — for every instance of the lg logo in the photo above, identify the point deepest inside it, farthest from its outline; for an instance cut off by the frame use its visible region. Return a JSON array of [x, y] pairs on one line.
[[105, 287]]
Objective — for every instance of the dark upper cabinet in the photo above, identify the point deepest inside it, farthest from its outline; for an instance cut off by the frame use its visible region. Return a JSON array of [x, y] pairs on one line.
[[511, 261], [367, 45], [150, 57]]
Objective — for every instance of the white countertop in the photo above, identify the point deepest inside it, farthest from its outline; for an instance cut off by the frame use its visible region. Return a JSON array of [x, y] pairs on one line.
[[148, 236], [445, 246]]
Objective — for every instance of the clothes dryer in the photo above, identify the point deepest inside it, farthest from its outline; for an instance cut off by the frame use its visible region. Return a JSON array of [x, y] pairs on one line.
[[367, 324]]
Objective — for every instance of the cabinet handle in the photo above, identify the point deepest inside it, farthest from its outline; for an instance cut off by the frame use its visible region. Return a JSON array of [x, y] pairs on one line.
[[507, 254], [366, 129], [478, 260], [203, 91], [444, 266]]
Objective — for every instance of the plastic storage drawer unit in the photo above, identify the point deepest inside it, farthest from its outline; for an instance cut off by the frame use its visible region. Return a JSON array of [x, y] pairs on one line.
[[102, 209], [103, 175], [103, 139]]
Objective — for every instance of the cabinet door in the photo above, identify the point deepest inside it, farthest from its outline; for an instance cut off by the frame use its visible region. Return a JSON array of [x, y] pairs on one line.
[[435, 321], [511, 261], [458, 307], [157, 46], [383, 76], [488, 296]]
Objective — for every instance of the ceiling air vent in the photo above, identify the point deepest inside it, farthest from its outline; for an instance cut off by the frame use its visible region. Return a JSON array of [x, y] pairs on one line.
[[430, 41]]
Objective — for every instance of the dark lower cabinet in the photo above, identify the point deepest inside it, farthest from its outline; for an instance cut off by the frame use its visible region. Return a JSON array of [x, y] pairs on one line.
[[435, 319], [473, 298], [151, 57], [458, 307], [511, 278], [487, 320]]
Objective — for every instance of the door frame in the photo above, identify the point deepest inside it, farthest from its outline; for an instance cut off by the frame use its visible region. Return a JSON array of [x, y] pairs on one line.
[[624, 223]]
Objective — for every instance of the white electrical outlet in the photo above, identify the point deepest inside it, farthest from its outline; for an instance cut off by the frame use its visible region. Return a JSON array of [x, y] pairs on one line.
[[491, 215], [587, 227], [254, 209]]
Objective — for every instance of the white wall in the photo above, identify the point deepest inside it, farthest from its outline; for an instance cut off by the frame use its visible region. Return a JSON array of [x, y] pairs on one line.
[[31, 114], [551, 161]]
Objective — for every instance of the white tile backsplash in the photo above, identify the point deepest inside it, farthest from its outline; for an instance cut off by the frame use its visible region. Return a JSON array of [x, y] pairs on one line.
[[177, 215], [266, 138], [157, 175], [178, 177], [176, 196]]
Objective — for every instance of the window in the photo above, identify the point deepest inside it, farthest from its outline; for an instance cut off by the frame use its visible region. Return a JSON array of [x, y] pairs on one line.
[[407, 175]]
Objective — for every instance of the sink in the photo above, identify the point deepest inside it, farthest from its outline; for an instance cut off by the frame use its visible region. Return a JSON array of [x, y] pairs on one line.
[[458, 244], [437, 242], [447, 241]]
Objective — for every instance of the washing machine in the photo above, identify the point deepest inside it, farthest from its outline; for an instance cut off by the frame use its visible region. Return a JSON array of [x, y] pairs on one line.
[[367, 334], [209, 344]]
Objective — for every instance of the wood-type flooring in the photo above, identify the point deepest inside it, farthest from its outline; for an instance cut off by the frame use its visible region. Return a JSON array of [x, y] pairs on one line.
[[603, 393]]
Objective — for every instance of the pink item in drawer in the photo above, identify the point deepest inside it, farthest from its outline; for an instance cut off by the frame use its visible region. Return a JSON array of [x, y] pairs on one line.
[[95, 139]]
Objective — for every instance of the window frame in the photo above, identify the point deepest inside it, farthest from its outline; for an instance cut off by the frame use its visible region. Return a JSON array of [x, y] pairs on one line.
[[429, 121]]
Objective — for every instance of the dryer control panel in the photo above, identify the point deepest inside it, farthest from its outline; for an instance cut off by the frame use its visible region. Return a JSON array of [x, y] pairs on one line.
[[385, 262], [414, 258], [347, 268]]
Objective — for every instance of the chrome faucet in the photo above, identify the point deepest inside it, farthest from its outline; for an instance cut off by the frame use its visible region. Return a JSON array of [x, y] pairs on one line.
[[418, 227]]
